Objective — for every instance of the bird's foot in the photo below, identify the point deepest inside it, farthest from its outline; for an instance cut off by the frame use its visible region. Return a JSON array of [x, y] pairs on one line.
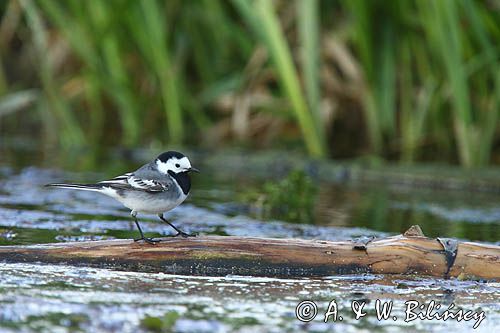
[[186, 235], [183, 234], [147, 240]]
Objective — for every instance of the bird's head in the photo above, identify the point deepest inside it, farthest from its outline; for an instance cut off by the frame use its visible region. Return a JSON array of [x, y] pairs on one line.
[[174, 162]]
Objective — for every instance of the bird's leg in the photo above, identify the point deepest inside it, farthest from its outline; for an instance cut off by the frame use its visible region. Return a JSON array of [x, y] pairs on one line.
[[179, 231], [146, 239]]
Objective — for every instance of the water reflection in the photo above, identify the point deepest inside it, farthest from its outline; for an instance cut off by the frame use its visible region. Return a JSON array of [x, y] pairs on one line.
[[29, 213], [50, 298]]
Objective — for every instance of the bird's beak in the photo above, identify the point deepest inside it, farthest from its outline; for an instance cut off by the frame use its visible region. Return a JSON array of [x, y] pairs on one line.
[[194, 169]]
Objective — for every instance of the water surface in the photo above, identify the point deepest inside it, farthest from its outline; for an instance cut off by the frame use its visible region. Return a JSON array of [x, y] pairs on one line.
[[58, 298]]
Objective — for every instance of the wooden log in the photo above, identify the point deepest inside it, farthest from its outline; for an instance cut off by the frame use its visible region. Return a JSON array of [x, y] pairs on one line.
[[215, 255]]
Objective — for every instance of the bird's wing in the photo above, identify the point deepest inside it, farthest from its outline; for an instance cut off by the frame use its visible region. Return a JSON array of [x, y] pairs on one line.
[[118, 181], [133, 182], [148, 185]]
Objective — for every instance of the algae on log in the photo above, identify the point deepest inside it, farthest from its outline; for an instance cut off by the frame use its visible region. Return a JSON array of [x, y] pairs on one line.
[[217, 255]]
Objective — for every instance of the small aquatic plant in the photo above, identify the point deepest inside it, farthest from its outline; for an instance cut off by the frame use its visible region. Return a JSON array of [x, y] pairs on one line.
[[291, 198], [160, 324]]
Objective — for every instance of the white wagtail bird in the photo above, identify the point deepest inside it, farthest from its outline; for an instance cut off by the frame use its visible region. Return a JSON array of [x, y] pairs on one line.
[[155, 188]]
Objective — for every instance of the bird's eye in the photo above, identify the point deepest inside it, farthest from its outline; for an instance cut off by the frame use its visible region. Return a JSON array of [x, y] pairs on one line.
[[177, 165]]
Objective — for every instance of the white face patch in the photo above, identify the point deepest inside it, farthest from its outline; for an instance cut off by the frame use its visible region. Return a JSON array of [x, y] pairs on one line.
[[174, 164]]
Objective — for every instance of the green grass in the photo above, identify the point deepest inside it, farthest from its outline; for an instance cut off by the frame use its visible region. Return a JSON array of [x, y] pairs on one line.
[[271, 34], [416, 80]]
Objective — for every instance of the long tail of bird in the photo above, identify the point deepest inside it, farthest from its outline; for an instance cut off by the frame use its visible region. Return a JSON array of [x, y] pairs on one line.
[[83, 187]]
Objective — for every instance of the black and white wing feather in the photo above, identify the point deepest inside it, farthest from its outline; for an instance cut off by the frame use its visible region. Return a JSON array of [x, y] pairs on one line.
[[133, 182], [120, 180], [148, 185], [128, 181]]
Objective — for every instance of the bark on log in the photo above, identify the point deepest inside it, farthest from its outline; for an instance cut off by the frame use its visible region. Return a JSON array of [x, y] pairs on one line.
[[215, 255]]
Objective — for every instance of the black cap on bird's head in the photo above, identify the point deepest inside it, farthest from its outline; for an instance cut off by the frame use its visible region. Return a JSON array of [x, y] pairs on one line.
[[164, 157], [173, 161]]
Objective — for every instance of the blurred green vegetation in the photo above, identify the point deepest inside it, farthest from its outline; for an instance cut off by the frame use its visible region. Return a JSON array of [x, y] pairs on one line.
[[414, 80], [291, 198]]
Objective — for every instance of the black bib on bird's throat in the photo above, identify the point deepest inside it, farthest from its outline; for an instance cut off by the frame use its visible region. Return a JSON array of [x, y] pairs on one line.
[[182, 179]]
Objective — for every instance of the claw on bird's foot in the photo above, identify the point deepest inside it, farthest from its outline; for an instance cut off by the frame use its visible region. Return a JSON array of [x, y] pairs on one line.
[[147, 240], [186, 235], [183, 234]]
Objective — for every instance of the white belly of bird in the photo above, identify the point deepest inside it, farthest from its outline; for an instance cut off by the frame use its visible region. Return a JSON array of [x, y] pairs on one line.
[[152, 206]]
